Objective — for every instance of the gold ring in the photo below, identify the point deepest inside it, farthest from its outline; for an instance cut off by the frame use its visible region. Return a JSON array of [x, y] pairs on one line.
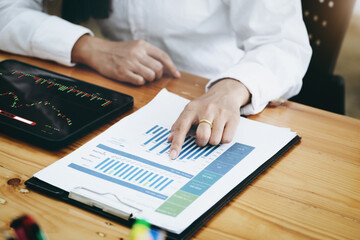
[[206, 121]]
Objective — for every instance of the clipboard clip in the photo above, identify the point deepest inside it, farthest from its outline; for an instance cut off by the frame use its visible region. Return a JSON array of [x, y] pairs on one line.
[[83, 195]]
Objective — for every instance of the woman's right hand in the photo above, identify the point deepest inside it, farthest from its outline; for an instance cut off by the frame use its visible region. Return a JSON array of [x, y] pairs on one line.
[[135, 62]]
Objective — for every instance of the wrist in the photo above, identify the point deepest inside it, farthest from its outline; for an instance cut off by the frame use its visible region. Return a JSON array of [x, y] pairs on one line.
[[81, 50], [240, 93]]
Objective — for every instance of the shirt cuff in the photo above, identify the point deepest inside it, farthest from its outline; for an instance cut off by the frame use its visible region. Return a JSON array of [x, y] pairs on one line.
[[249, 75], [55, 38]]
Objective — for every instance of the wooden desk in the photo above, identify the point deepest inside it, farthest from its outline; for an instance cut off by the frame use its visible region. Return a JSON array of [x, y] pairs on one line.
[[311, 192]]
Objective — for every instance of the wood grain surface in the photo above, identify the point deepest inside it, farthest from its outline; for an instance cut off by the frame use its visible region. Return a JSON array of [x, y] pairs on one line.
[[312, 192]]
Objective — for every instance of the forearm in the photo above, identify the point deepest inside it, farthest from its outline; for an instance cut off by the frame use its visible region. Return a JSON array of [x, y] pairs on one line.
[[276, 52], [81, 52], [15, 28], [25, 30]]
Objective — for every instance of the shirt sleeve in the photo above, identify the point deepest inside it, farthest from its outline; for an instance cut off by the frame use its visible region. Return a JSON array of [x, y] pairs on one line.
[[26, 30], [276, 48]]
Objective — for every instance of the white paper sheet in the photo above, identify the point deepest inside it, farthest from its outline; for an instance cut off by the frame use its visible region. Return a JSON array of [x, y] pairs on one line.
[[127, 167]]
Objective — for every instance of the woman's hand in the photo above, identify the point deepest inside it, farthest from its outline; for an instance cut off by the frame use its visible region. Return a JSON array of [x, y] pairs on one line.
[[220, 106], [136, 62]]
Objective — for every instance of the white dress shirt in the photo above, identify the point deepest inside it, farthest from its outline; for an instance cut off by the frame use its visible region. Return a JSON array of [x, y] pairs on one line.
[[262, 43]]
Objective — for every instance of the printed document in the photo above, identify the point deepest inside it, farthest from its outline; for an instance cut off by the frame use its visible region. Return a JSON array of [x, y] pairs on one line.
[[128, 168]]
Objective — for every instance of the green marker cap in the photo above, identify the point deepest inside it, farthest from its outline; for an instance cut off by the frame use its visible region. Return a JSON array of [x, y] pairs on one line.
[[142, 222]]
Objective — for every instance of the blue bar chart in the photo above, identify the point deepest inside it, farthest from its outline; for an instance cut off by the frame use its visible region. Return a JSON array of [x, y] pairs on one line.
[[156, 142], [179, 187], [141, 172], [135, 174]]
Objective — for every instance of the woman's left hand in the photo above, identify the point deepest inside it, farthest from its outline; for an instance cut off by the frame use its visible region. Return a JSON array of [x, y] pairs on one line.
[[219, 107]]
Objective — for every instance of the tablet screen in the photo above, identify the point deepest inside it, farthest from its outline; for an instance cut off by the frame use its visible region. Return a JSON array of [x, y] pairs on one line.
[[51, 106]]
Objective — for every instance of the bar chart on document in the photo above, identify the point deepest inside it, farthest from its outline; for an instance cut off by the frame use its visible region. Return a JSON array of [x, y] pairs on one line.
[[160, 146], [142, 163]]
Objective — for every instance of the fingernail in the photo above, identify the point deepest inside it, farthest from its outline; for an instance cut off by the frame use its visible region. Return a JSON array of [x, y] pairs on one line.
[[177, 74], [173, 154]]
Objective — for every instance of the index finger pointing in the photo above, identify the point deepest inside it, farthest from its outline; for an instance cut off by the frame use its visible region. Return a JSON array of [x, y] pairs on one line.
[[164, 58], [178, 133]]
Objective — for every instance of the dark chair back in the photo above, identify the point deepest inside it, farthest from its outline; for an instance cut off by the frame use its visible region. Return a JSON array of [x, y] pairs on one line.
[[326, 22]]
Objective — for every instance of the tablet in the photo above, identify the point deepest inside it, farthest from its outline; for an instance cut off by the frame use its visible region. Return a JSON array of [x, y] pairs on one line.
[[51, 110]]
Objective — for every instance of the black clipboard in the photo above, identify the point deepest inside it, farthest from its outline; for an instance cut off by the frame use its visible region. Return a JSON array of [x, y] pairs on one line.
[[57, 193]]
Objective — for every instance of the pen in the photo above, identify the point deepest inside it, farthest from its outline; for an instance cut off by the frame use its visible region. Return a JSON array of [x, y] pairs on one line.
[[27, 229], [27, 224], [19, 230], [39, 235]]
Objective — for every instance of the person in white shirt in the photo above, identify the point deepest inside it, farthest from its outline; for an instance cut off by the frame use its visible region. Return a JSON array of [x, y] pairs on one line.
[[253, 51]]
